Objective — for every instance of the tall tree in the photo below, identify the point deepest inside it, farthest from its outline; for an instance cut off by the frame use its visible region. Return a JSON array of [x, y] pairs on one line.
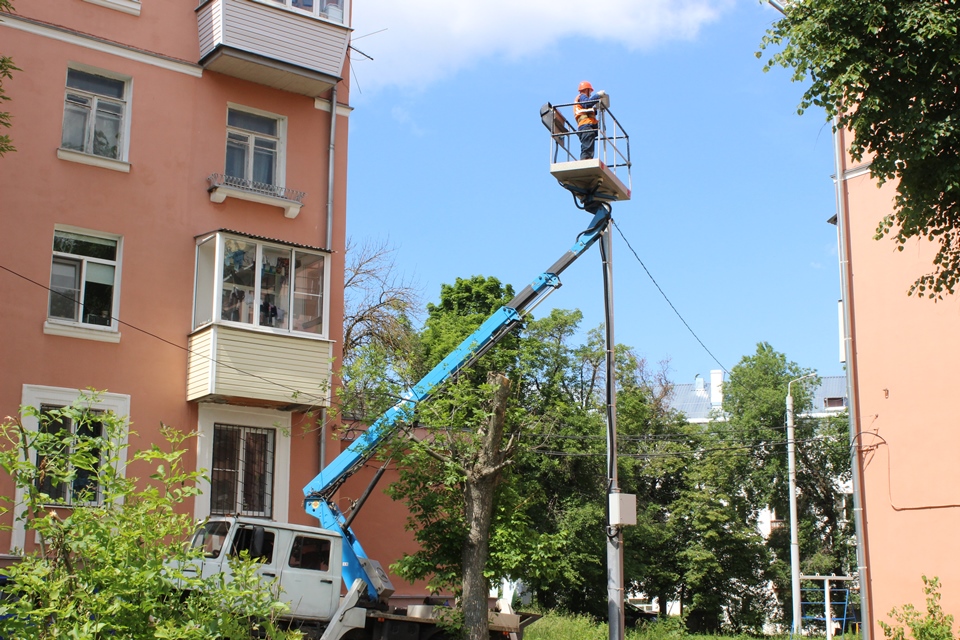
[[6, 72], [889, 70], [380, 344], [755, 408]]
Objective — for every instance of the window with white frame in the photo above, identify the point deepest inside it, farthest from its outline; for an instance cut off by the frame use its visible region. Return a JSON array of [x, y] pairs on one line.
[[44, 398], [241, 478], [334, 10], [254, 149], [83, 278], [260, 284], [68, 456], [94, 114]]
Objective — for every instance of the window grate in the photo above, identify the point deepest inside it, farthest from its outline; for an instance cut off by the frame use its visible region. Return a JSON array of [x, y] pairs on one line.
[[241, 481]]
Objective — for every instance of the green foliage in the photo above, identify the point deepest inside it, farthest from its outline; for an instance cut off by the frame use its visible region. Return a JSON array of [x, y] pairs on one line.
[[889, 70], [565, 627], [911, 623], [462, 308], [751, 463], [109, 568], [6, 72]]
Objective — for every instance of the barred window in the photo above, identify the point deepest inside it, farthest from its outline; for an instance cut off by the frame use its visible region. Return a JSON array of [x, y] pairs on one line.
[[241, 481]]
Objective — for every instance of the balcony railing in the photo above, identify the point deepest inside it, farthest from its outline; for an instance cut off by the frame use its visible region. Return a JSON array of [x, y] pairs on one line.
[[223, 186]]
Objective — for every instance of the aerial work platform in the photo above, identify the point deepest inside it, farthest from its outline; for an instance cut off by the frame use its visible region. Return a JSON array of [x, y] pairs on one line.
[[603, 178]]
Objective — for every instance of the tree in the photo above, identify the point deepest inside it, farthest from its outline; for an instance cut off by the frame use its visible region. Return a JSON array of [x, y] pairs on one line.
[[109, 569], [378, 303], [450, 478], [380, 344], [6, 72], [889, 71], [755, 408]]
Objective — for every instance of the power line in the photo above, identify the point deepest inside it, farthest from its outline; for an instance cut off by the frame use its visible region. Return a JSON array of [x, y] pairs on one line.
[[294, 393], [653, 280]]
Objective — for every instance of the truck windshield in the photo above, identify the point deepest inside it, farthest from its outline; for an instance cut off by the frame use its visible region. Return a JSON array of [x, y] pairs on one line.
[[210, 537]]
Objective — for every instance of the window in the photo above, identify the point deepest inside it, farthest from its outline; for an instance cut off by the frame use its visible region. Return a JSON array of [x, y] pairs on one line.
[[241, 480], [83, 279], [310, 553], [94, 115], [214, 417], [330, 9], [211, 537], [834, 403], [44, 397], [253, 149], [256, 541], [66, 482], [260, 284]]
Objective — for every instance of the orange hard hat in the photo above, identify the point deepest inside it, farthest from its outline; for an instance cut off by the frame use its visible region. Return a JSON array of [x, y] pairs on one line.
[[585, 85]]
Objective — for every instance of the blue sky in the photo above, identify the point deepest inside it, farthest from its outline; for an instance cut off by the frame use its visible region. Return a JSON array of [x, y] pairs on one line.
[[731, 188]]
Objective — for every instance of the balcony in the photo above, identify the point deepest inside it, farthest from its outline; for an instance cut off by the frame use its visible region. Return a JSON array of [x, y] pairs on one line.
[[252, 368], [292, 45], [224, 186]]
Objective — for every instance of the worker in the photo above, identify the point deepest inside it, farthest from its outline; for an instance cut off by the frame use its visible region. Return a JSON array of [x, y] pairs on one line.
[[585, 111]]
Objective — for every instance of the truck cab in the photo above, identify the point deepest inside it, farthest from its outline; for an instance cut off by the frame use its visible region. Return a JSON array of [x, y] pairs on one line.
[[304, 561]]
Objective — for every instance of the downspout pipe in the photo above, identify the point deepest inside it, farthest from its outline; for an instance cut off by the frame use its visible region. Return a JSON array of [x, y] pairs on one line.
[[849, 350], [330, 163]]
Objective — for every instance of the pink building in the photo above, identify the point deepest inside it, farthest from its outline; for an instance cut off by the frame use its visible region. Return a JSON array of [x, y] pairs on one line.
[[901, 353], [173, 222]]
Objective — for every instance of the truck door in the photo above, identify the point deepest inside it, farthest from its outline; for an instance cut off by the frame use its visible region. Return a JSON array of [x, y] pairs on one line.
[[259, 542], [310, 577]]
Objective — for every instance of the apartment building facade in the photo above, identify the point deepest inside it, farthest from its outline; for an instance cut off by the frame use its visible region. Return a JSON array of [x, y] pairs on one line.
[[173, 230], [901, 352]]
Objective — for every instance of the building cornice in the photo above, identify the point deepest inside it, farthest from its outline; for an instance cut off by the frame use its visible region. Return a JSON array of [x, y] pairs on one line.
[[96, 43]]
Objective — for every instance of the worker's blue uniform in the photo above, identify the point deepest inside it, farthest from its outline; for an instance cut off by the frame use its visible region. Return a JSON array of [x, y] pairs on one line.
[[585, 111]]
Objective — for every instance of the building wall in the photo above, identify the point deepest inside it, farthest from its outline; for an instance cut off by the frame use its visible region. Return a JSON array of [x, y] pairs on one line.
[[177, 138], [905, 352]]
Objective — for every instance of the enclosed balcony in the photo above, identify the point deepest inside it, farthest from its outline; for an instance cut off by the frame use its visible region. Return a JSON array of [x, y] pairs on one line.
[[260, 323], [292, 45]]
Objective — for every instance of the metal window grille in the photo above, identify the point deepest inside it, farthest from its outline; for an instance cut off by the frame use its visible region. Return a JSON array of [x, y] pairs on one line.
[[241, 481]]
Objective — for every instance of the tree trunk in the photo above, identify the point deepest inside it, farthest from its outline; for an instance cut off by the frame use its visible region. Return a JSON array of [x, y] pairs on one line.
[[481, 483]]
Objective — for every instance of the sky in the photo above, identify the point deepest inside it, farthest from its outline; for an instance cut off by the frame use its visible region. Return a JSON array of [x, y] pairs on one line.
[[732, 189]]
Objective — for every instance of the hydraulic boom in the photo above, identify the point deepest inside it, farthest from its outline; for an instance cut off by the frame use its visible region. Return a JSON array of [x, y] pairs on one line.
[[319, 493]]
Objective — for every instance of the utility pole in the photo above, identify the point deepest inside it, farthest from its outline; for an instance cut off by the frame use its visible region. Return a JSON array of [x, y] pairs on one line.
[[621, 507], [794, 530]]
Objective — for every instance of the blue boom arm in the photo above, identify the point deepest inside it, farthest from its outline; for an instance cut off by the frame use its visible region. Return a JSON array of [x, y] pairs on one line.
[[319, 493]]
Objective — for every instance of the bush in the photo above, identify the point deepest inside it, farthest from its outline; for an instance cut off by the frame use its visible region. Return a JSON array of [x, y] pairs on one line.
[[109, 569], [935, 625]]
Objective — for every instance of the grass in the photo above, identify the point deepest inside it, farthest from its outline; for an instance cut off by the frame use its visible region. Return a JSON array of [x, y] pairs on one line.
[[555, 626]]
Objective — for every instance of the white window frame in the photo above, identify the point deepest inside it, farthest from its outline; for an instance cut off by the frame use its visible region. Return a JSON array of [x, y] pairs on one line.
[[126, 6], [33, 395], [78, 328], [203, 287], [281, 140], [208, 415], [318, 10], [85, 156]]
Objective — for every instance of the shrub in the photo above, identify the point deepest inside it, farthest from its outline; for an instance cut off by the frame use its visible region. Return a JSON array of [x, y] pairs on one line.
[[110, 568], [934, 625]]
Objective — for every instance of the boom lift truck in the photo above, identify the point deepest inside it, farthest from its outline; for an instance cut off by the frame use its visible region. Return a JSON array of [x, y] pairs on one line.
[[309, 563]]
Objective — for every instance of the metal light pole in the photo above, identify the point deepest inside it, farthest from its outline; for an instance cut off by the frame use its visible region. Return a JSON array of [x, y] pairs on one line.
[[614, 533], [794, 532]]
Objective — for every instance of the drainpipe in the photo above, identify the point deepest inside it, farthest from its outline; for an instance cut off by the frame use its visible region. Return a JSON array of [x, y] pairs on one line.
[[329, 244], [330, 173], [323, 438], [843, 229]]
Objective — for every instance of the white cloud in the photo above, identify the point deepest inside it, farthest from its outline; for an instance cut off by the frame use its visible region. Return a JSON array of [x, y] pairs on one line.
[[426, 40]]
